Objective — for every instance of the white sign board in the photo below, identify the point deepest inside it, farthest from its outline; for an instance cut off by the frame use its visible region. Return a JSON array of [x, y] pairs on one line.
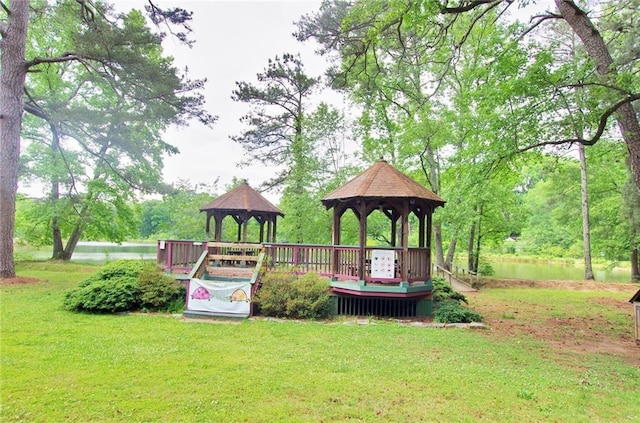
[[220, 297], [383, 264]]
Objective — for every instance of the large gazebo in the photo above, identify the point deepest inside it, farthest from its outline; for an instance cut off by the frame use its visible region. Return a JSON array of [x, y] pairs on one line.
[[242, 203], [384, 188]]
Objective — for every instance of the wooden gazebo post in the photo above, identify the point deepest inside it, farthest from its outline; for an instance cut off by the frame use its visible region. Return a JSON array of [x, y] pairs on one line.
[[404, 258], [338, 211], [362, 238]]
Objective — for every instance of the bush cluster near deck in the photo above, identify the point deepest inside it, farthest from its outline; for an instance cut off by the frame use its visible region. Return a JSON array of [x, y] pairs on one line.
[[126, 285]]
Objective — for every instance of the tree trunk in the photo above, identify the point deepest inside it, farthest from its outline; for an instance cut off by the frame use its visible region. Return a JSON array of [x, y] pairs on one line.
[[72, 243], [431, 172], [448, 263], [12, 78], [476, 256], [58, 248], [437, 231], [598, 51], [78, 229], [635, 265], [470, 248], [586, 229]]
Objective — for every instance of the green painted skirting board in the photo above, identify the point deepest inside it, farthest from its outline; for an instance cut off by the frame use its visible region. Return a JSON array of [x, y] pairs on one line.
[[403, 288]]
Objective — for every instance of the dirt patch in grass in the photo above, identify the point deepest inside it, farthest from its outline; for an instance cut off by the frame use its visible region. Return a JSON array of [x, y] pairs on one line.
[[592, 334], [564, 285], [18, 280]]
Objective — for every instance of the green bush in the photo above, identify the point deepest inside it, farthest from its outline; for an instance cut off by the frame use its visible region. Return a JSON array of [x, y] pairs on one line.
[[447, 304], [310, 297], [120, 293], [125, 285], [451, 311], [272, 297], [131, 268], [486, 269], [442, 291], [157, 289], [283, 294]]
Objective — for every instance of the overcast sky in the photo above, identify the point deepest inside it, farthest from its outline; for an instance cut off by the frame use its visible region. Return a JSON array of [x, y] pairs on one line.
[[234, 40]]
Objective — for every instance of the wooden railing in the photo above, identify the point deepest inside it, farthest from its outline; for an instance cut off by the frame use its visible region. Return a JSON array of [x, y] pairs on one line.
[[179, 256], [419, 264], [304, 258], [457, 275], [338, 261], [320, 259]]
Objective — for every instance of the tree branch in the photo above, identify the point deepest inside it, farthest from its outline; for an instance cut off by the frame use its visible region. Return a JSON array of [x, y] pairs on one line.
[[470, 6], [599, 131], [65, 57], [539, 21]]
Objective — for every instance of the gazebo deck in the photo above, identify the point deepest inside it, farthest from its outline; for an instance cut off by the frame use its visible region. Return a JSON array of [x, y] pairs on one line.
[[339, 262]]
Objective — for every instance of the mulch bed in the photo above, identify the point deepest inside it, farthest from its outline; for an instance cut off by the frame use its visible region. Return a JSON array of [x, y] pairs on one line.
[[18, 281]]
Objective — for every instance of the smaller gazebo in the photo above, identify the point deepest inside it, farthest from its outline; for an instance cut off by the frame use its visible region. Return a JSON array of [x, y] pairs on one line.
[[242, 203]]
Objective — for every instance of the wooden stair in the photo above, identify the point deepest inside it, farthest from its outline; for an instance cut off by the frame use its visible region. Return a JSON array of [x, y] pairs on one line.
[[229, 272]]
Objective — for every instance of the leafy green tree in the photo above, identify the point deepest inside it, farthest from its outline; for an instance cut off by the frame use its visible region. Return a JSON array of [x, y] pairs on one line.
[[306, 142], [177, 215], [431, 117], [98, 104], [553, 228], [361, 31]]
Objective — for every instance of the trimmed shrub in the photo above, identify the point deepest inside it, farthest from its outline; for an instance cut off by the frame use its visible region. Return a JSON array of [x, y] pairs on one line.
[[131, 268], [120, 293], [442, 291], [310, 297], [283, 294], [272, 297], [451, 311], [157, 289], [125, 285], [447, 304], [486, 269]]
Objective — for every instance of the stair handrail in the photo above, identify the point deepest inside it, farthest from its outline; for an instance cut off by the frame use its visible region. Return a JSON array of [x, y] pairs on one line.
[[198, 269]]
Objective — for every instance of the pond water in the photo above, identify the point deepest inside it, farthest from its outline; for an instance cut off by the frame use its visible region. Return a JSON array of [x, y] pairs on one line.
[[102, 252], [554, 271]]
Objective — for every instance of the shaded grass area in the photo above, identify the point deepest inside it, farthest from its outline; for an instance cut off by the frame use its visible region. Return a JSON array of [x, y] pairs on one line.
[[57, 365]]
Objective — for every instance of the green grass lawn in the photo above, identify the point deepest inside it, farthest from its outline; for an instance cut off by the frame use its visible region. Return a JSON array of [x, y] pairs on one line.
[[61, 366]]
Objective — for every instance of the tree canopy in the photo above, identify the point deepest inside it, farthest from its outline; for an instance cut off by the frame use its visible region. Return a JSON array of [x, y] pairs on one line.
[[99, 93]]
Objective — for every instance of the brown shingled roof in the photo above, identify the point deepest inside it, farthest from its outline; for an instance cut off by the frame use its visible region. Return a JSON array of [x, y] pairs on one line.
[[382, 181], [243, 197]]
